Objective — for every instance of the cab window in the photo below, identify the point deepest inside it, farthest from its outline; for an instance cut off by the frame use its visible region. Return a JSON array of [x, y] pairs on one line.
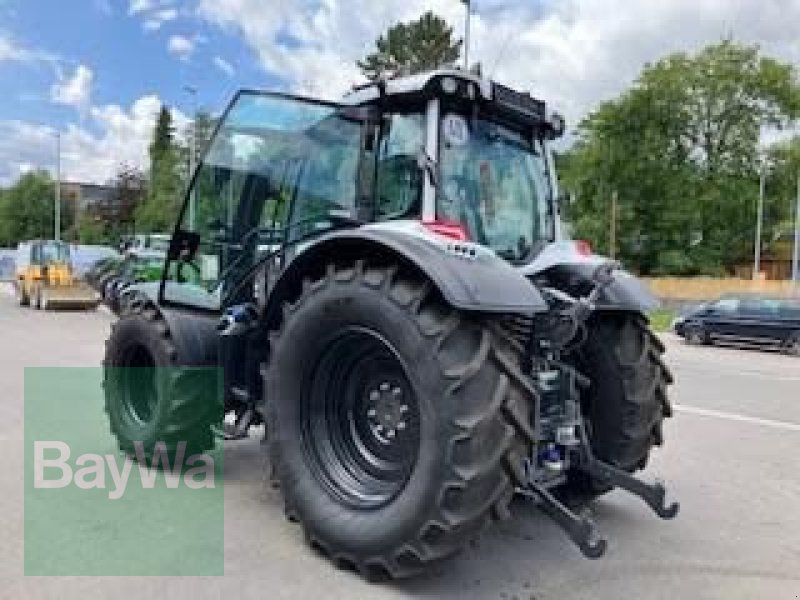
[[398, 176], [275, 169]]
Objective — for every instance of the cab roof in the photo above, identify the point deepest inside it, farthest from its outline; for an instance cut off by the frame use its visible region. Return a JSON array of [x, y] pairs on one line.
[[452, 83]]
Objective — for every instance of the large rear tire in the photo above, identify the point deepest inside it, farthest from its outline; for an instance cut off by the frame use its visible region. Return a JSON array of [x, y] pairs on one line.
[[366, 359], [150, 397], [626, 403]]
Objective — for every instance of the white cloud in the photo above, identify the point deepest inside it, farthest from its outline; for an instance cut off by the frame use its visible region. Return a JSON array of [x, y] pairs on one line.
[[139, 6], [572, 53], [92, 153], [181, 47], [224, 66], [75, 91], [12, 51], [157, 18], [9, 51]]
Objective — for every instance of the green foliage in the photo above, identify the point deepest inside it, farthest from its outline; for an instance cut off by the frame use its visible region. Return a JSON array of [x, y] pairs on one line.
[[159, 210], [413, 47], [680, 148], [661, 319], [90, 230], [784, 171], [27, 209]]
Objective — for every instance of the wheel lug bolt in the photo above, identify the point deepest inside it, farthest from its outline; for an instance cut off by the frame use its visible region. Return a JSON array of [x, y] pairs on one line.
[[401, 425], [379, 428], [384, 387], [372, 412], [397, 392], [390, 433], [404, 408], [374, 395]]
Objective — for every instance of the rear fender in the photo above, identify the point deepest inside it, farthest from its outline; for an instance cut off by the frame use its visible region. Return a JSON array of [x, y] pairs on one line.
[[469, 277], [568, 270], [194, 332]]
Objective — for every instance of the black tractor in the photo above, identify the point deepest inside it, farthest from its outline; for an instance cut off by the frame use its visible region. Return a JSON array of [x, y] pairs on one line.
[[384, 283]]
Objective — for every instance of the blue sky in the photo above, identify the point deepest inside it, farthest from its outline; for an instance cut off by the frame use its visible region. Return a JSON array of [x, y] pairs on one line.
[[127, 60], [96, 71]]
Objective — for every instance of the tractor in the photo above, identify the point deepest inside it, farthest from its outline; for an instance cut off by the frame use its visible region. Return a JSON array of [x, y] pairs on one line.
[[46, 278], [384, 283]]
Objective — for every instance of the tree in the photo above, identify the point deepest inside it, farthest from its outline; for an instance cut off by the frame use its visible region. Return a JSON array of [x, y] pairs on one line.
[[413, 47], [159, 210], [782, 180], [680, 150], [26, 209], [105, 222]]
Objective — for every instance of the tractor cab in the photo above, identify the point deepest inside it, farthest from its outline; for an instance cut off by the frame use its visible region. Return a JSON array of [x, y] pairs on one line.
[[465, 158]]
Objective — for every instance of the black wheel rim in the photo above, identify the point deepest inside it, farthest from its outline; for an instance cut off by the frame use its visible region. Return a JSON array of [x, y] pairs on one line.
[[360, 420], [138, 379]]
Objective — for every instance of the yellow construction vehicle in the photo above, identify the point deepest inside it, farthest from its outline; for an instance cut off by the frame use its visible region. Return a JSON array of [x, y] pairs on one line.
[[46, 280]]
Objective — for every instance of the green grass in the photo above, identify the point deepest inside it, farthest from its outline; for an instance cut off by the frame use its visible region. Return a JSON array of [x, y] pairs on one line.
[[661, 318]]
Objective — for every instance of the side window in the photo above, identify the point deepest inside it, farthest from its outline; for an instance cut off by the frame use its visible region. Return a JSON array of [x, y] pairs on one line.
[[399, 180], [790, 309], [274, 163], [726, 306], [751, 308], [324, 180]]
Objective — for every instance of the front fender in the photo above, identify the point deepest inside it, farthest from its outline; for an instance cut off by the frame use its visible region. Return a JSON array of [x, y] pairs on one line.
[[193, 332], [469, 277], [572, 271]]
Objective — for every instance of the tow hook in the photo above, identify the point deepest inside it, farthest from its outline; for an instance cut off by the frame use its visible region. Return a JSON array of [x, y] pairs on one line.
[[579, 528]]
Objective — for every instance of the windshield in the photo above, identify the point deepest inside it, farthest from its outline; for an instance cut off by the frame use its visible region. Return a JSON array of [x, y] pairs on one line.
[[494, 183], [54, 252]]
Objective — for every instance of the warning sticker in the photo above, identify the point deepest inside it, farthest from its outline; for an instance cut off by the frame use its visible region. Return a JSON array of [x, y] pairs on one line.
[[456, 130]]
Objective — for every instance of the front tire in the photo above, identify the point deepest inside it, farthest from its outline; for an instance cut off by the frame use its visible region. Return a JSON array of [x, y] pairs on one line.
[[626, 403], [355, 341], [696, 335], [150, 397], [792, 344]]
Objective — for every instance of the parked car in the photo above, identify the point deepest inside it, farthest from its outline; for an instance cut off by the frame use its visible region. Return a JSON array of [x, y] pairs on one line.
[[744, 319]]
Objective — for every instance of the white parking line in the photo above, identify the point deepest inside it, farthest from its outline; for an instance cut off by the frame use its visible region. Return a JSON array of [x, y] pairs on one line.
[[720, 367], [707, 412]]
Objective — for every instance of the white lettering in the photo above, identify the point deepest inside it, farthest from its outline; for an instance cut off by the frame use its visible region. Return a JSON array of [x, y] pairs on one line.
[[96, 470], [172, 471], [206, 470], [40, 463], [120, 479]]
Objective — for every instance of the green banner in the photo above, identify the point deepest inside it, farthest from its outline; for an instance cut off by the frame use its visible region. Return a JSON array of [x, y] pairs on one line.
[[89, 508]]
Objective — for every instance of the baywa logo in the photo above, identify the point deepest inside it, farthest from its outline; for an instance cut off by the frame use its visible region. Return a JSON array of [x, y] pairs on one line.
[[90, 509], [113, 472]]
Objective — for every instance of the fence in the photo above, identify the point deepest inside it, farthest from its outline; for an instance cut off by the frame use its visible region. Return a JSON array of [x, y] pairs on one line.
[[708, 288], [7, 262]]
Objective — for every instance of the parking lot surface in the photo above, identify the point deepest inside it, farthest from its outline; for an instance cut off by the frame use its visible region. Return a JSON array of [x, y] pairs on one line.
[[732, 459]]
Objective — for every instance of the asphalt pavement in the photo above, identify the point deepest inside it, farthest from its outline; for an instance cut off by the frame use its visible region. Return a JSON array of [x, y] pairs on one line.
[[731, 459]]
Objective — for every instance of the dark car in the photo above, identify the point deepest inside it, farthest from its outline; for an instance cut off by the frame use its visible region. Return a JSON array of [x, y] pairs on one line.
[[744, 320]]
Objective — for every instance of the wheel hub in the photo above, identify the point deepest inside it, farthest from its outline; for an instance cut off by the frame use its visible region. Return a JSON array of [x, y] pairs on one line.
[[361, 419], [386, 412]]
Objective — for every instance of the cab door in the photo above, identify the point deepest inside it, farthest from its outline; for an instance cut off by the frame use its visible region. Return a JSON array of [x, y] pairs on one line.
[[276, 168]]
